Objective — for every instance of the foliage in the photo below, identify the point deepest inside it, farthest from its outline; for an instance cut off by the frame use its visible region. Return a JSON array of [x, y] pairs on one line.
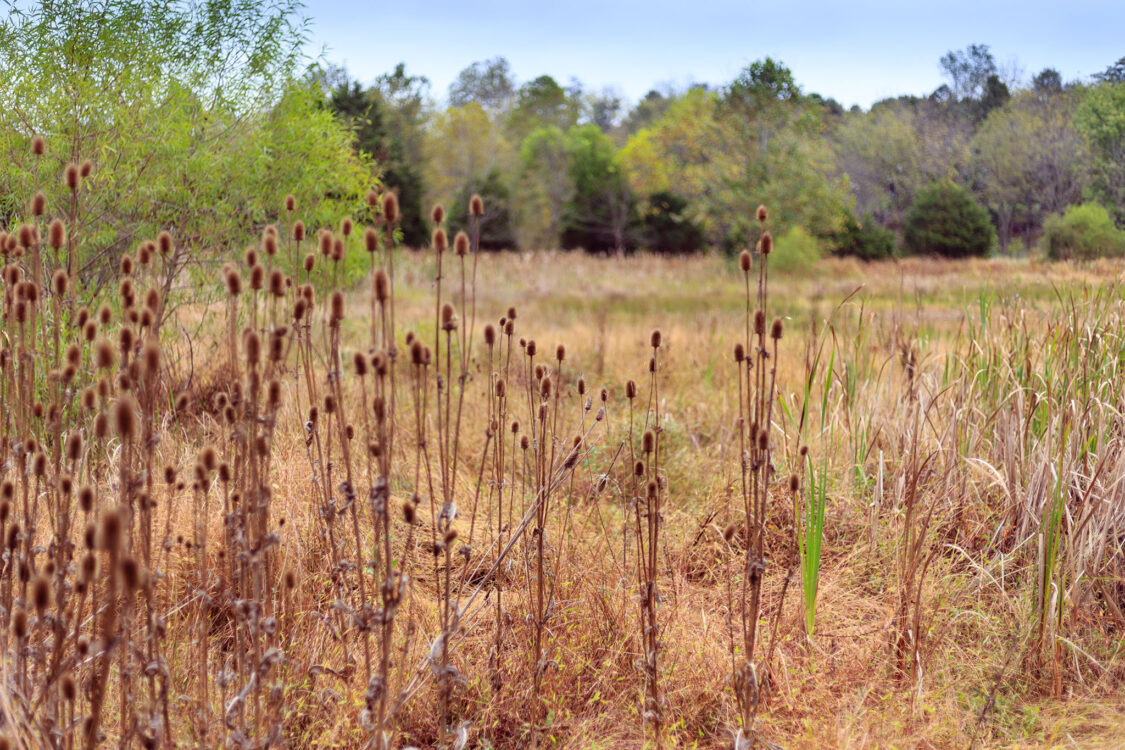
[[603, 210], [667, 226], [463, 146], [945, 220], [1101, 118], [496, 228], [1083, 232], [1029, 160], [387, 119], [546, 187], [795, 251], [489, 83], [864, 239], [189, 114]]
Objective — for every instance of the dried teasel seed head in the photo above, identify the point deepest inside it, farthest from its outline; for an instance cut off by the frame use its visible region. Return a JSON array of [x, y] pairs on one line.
[[776, 329], [545, 386], [639, 469], [439, 240], [630, 389], [745, 261], [74, 445], [130, 573], [525, 442], [476, 206], [60, 283], [390, 207], [37, 145], [461, 243], [501, 388], [763, 439], [655, 340], [257, 277], [794, 483], [489, 334], [762, 213], [298, 230], [653, 489], [370, 240], [450, 537], [277, 283], [408, 513], [19, 623], [71, 177], [125, 418], [531, 348], [324, 241], [346, 226], [86, 168], [648, 441], [759, 323], [337, 305], [233, 280], [38, 204], [309, 263], [739, 352], [581, 386], [560, 352], [41, 593], [290, 203], [253, 344], [359, 361], [729, 531], [437, 215], [381, 284], [765, 244], [109, 539]]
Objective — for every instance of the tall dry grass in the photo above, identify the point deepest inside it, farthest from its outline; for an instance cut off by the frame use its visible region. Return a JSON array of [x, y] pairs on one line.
[[480, 501]]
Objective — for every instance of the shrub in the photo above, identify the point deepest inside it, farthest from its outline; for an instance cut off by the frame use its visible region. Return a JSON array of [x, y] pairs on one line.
[[795, 251], [667, 226], [864, 239], [1083, 232], [945, 220]]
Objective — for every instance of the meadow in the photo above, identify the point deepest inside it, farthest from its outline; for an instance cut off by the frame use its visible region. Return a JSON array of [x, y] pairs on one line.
[[549, 499]]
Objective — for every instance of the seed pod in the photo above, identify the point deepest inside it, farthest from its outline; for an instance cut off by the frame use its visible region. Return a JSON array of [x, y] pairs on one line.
[[639, 469], [299, 230], [337, 305], [461, 243], [489, 334], [437, 215], [765, 244], [656, 338], [38, 204], [164, 242], [761, 213], [125, 418], [382, 286], [346, 227], [759, 323], [370, 240], [70, 174], [560, 352], [390, 207], [744, 261], [439, 240], [739, 352], [648, 441], [630, 389], [37, 145], [476, 206], [290, 203], [775, 329]]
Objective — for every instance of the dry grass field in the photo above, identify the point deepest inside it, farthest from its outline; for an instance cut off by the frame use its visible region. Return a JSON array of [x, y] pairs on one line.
[[893, 518]]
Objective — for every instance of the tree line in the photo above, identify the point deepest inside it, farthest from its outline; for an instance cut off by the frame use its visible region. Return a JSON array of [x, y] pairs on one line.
[[564, 166]]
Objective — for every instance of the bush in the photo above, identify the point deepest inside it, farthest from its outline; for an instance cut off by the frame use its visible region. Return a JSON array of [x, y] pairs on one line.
[[1083, 232], [945, 220], [795, 251], [667, 227], [863, 239]]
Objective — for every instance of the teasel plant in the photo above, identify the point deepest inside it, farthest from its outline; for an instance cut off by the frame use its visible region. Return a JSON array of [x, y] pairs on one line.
[[756, 362], [647, 489]]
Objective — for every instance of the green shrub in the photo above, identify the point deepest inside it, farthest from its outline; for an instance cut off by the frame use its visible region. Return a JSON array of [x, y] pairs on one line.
[[1083, 232], [945, 220], [795, 251], [863, 239]]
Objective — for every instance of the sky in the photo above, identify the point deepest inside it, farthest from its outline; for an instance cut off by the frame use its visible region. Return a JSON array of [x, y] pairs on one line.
[[857, 52]]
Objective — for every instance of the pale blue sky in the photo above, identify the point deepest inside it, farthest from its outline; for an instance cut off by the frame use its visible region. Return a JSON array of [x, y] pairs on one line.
[[858, 52]]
